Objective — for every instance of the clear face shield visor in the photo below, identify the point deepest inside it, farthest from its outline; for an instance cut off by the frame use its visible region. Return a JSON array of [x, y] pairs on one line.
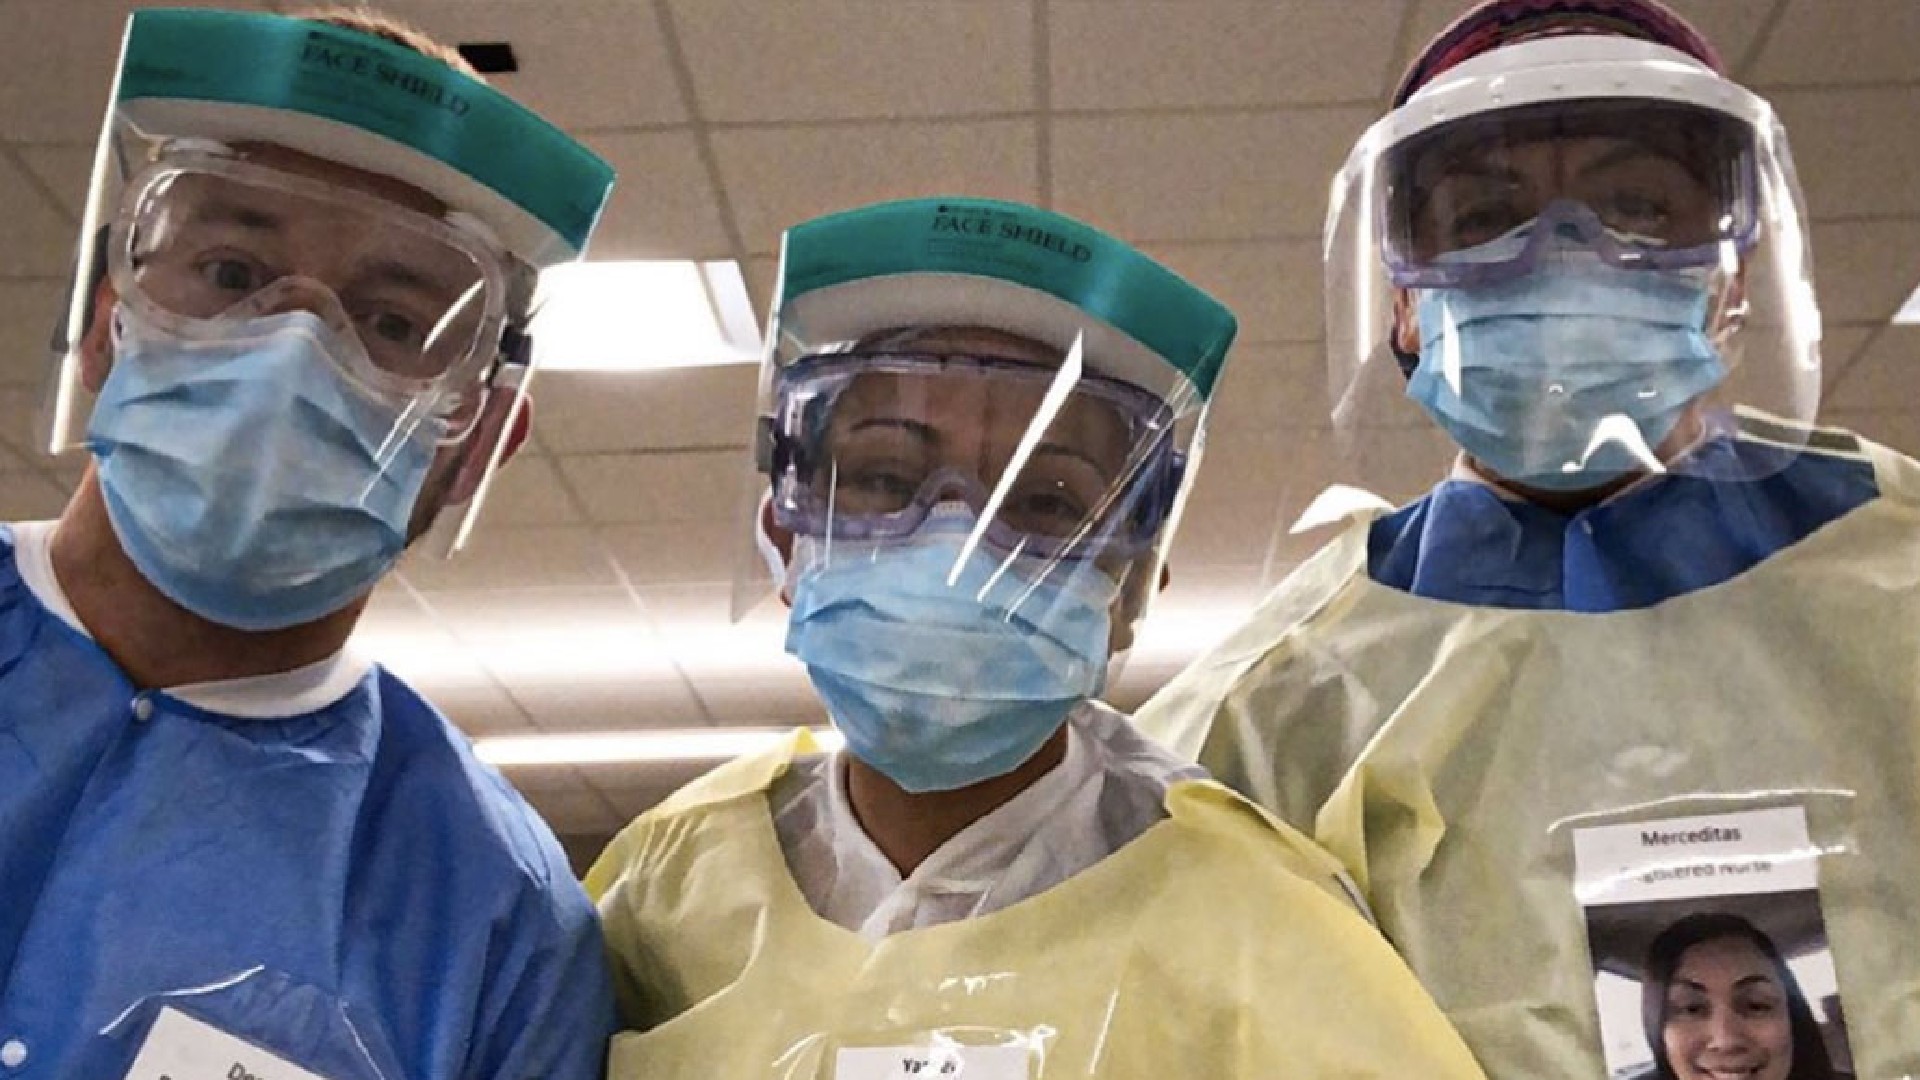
[[217, 254], [1571, 292], [867, 445], [413, 308], [1010, 477]]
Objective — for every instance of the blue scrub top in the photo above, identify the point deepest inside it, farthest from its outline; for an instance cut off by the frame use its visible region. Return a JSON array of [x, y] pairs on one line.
[[1741, 501], [349, 889]]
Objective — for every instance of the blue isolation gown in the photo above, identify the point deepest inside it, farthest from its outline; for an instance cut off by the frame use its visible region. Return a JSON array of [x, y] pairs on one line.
[[348, 889], [1739, 502]]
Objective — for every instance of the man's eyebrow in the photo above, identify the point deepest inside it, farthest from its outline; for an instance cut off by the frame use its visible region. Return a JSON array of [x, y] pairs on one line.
[[925, 432], [239, 214]]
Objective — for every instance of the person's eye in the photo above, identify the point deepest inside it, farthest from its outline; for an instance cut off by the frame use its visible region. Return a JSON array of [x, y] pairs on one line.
[[879, 486], [1049, 502], [234, 275], [393, 327], [1482, 222], [1760, 1007], [1636, 212], [1689, 1010]]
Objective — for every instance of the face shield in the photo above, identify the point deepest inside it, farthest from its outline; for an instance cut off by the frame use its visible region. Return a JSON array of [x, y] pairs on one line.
[[296, 327], [207, 246], [296, 319], [979, 419], [1574, 259]]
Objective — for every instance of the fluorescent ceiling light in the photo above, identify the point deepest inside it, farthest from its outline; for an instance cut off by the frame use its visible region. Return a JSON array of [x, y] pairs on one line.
[[1909, 313], [643, 316], [623, 747]]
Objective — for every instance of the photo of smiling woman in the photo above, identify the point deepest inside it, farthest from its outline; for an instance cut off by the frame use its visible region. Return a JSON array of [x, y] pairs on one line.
[[1719, 1002]]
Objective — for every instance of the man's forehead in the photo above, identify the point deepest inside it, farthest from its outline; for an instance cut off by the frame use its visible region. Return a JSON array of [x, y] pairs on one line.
[[344, 177]]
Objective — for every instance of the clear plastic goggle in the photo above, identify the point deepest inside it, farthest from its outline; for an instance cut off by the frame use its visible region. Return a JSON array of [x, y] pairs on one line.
[[865, 446], [1644, 184], [206, 241]]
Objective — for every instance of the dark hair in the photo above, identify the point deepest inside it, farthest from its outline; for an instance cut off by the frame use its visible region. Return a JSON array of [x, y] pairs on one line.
[[1810, 1061]]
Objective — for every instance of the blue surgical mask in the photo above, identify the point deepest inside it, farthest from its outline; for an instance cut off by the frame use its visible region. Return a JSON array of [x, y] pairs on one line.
[[1569, 376], [244, 477], [940, 684]]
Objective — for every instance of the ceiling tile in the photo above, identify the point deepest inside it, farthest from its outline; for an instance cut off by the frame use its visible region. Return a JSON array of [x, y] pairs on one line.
[[1272, 287], [515, 557], [1234, 176], [583, 65], [69, 467], [14, 461], [778, 177], [35, 240], [573, 659], [1885, 377], [1270, 388], [848, 59], [682, 408], [634, 788], [1899, 429], [688, 552], [1840, 349], [1202, 605], [762, 273], [417, 647], [28, 312], [1857, 150], [641, 489], [393, 601], [536, 780], [65, 170], [1864, 269], [30, 497], [1732, 25], [1121, 54], [480, 711], [1859, 41], [575, 811], [1251, 484], [528, 492], [59, 58], [609, 705], [538, 615], [1397, 464], [740, 669], [663, 204], [20, 421]]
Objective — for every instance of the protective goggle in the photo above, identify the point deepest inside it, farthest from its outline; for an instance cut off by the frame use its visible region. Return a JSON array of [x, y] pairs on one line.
[[1644, 184], [864, 446], [205, 241]]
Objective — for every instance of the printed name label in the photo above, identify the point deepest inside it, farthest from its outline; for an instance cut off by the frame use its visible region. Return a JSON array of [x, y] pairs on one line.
[[179, 1047], [1753, 851], [931, 1063]]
